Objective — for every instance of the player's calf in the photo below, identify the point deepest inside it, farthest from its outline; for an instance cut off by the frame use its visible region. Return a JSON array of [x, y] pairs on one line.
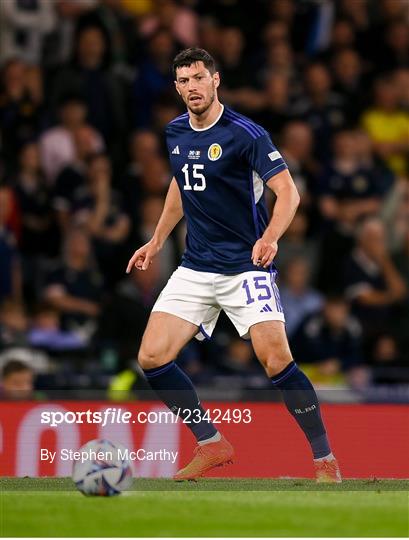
[[177, 392]]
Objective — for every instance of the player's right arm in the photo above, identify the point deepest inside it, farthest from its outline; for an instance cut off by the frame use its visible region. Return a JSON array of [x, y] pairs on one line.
[[172, 213]]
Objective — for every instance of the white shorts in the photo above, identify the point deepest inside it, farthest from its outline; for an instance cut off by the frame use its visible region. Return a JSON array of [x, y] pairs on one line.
[[198, 297]]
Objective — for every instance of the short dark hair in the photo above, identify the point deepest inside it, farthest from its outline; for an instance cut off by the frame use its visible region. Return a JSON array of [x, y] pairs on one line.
[[14, 366], [192, 55]]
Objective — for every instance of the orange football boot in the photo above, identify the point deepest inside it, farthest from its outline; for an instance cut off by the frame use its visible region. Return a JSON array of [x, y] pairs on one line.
[[207, 456], [327, 471]]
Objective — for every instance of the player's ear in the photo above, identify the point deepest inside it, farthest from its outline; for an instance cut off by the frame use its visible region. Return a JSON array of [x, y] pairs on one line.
[[216, 78], [176, 86]]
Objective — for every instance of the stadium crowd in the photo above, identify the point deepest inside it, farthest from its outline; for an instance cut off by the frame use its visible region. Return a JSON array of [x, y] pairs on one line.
[[85, 94]]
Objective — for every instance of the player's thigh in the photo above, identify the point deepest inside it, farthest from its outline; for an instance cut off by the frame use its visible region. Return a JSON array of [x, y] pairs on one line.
[[270, 344], [165, 335]]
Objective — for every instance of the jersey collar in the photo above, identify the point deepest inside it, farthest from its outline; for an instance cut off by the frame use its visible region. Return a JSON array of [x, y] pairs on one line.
[[211, 125]]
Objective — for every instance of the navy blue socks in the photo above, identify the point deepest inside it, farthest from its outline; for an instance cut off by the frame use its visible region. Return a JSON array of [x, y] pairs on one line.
[[302, 402], [177, 392]]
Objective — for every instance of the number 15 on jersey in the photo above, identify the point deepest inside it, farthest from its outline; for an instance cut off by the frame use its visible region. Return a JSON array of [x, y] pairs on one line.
[[200, 185]]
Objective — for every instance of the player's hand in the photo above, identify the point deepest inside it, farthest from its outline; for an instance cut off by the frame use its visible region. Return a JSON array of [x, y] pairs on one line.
[[264, 252], [143, 256]]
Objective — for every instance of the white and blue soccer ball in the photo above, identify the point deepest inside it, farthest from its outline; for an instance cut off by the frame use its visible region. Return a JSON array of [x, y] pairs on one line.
[[102, 469]]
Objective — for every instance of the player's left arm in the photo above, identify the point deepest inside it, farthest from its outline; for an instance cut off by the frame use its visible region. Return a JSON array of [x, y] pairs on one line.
[[288, 199]]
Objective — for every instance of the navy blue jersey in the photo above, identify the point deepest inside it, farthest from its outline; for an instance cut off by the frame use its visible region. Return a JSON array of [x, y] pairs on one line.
[[221, 171]]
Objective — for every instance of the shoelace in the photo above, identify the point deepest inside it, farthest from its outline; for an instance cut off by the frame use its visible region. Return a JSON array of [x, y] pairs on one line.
[[198, 450], [327, 465]]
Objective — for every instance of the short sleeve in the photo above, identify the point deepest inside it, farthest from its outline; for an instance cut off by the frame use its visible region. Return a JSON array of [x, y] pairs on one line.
[[263, 156]]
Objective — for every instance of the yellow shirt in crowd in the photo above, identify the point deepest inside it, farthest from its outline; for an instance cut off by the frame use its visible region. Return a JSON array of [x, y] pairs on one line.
[[389, 128]]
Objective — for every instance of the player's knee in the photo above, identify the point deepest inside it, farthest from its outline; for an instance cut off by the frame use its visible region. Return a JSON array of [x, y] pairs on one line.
[[275, 361], [152, 357], [277, 364]]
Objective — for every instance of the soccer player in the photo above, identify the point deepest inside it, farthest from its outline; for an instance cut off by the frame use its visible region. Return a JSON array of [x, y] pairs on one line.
[[221, 162]]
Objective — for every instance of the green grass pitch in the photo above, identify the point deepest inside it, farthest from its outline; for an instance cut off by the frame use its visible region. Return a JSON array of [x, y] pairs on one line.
[[209, 507]]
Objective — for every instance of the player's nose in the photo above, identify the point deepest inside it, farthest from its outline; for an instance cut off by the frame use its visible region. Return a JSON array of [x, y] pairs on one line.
[[191, 86]]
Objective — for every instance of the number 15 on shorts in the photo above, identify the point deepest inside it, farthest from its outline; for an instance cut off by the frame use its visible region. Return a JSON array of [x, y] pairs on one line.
[[261, 288]]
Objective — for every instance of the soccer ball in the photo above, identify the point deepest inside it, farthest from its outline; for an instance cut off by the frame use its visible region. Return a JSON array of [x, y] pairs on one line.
[[100, 468]]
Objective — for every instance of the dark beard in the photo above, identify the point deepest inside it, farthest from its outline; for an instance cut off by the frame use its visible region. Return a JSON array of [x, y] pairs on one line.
[[204, 108]]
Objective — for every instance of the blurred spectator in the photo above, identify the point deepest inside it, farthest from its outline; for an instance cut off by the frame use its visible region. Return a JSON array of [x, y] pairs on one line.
[[395, 53], [401, 260], [297, 149], [336, 244], [209, 34], [126, 311], [10, 216], [21, 107], [179, 21], [344, 179], [57, 144], [238, 359], [382, 176], [342, 37], [348, 79], [280, 61], [401, 255], [17, 381], [296, 244], [276, 111], [72, 177], [97, 208], [34, 200], [74, 288], [388, 126], [189, 360], [13, 325], [331, 340], [388, 361], [119, 26], [238, 13], [154, 76], [299, 299], [155, 177], [401, 82], [372, 282], [10, 268], [167, 108], [356, 13], [39, 235], [299, 18], [232, 64], [45, 332], [373, 45], [24, 24], [89, 76], [144, 147], [151, 210], [275, 31], [321, 108], [137, 9], [59, 44], [283, 10]]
